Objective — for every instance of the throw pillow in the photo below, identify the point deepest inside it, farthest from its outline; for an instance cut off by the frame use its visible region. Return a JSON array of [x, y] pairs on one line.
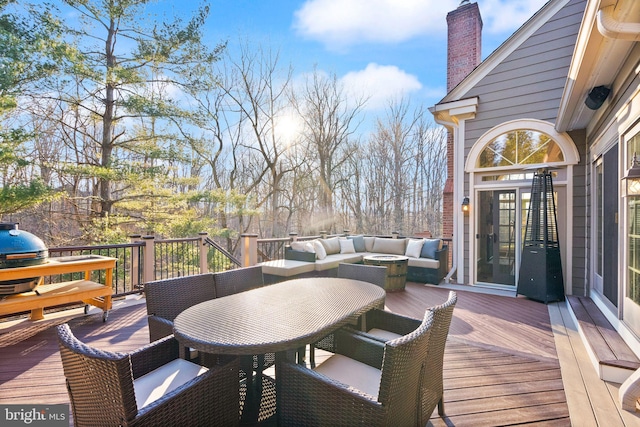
[[332, 245], [414, 247], [346, 246], [358, 243], [389, 246], [321, 253], [429, 248]]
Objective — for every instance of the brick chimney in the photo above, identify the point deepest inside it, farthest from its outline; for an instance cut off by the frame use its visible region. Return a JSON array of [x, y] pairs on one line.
[[464, 40]]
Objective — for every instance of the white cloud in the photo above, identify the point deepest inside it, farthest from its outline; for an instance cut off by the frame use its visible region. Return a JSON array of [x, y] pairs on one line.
[[506, 16], [343, 23], [380, 84]]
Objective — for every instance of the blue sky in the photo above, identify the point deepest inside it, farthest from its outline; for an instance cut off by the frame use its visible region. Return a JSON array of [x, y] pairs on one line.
[[387, 48]]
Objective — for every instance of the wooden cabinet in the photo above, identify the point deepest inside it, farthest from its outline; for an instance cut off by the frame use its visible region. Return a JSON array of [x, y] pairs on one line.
[[86, 291]]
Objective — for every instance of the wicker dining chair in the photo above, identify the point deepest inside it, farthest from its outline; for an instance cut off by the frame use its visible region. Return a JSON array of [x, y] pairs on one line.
[[363, 384], [367, 273], [150, 386], [238, 280], [385, 325], [231, 282], [169, 297]]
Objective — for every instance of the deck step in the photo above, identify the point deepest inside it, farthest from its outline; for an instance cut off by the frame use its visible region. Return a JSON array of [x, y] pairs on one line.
[[614, 359]]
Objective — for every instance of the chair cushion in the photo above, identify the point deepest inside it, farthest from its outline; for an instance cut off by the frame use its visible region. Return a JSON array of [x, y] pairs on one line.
[[152, 386], [353, 373], [383, 334]]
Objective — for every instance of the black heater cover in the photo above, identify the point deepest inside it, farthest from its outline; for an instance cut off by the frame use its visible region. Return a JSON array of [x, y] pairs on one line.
[[541, 267]]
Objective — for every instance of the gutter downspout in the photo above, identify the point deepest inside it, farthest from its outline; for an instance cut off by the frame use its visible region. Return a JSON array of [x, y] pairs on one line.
[[454, 254], [611, 28]]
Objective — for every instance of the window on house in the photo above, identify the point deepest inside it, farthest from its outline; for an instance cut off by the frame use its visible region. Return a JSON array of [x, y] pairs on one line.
[[520, 147]]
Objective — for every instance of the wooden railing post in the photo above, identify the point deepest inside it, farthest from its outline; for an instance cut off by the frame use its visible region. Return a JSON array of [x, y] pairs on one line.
[[204, 249], [249, 249], [149, 254], [135, 262]]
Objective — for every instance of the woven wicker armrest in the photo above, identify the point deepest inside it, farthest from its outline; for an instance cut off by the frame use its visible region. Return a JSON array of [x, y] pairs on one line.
[[359, 347], [153, 355], [332, 403], [208, 399], [401, 325], [159, 327]]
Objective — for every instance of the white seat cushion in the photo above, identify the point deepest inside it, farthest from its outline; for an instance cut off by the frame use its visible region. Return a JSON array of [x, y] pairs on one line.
[[385, 335], [351, 372], [157, 383]]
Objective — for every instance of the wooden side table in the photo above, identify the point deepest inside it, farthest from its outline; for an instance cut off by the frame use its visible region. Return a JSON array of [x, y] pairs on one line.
[[396, 270]]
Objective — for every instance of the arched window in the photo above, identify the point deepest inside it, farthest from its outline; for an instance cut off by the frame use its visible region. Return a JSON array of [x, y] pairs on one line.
[[520, 147], [517, 144]]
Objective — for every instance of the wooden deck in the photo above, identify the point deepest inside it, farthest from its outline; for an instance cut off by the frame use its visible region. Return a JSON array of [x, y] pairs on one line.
[[501, 361]]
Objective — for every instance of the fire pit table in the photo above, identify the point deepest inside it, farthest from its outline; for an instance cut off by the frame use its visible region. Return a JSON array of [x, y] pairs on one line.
[[396, 270]]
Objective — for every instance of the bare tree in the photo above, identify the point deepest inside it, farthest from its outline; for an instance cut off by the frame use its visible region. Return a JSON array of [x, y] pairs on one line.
[[330, 120]]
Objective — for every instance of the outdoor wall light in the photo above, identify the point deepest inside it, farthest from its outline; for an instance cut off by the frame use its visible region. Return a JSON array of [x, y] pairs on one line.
[[632, 178], [596, 97], [465, 205]]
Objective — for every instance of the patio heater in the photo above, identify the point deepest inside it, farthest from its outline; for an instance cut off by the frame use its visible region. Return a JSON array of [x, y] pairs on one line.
[[540, 266]]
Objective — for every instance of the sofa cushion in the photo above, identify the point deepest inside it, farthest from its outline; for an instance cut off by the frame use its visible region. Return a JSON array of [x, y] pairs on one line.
[[424, 263], [414, 247], [332, 261], [389, 246], [332, 245], [358, 243], [321, 252], [368, 244], [286, 267], [430, 247], [346, 246]]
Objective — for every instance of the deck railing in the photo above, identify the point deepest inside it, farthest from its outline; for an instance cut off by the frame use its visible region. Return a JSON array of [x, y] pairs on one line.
[[145, 259]]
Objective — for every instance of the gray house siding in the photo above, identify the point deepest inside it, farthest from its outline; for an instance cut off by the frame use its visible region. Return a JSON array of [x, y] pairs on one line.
[[581, 225]]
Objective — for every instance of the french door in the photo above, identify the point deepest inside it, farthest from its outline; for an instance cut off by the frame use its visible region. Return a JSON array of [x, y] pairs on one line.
[[500, 225]]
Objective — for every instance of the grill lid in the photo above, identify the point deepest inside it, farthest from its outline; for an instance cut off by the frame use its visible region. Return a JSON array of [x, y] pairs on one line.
[[19, 248]]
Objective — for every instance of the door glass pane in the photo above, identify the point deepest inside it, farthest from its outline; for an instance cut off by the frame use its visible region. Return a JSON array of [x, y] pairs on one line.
[[599, 218], [633, 290], [496, 239]]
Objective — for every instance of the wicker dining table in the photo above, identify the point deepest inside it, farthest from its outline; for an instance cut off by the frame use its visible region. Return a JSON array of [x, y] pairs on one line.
[[277, 318]]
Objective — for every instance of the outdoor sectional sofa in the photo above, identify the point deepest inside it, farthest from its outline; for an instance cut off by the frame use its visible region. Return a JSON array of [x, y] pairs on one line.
[[320, 257]]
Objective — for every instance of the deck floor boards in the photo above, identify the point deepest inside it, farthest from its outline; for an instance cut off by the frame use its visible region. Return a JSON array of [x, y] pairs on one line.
[[501, 366]]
